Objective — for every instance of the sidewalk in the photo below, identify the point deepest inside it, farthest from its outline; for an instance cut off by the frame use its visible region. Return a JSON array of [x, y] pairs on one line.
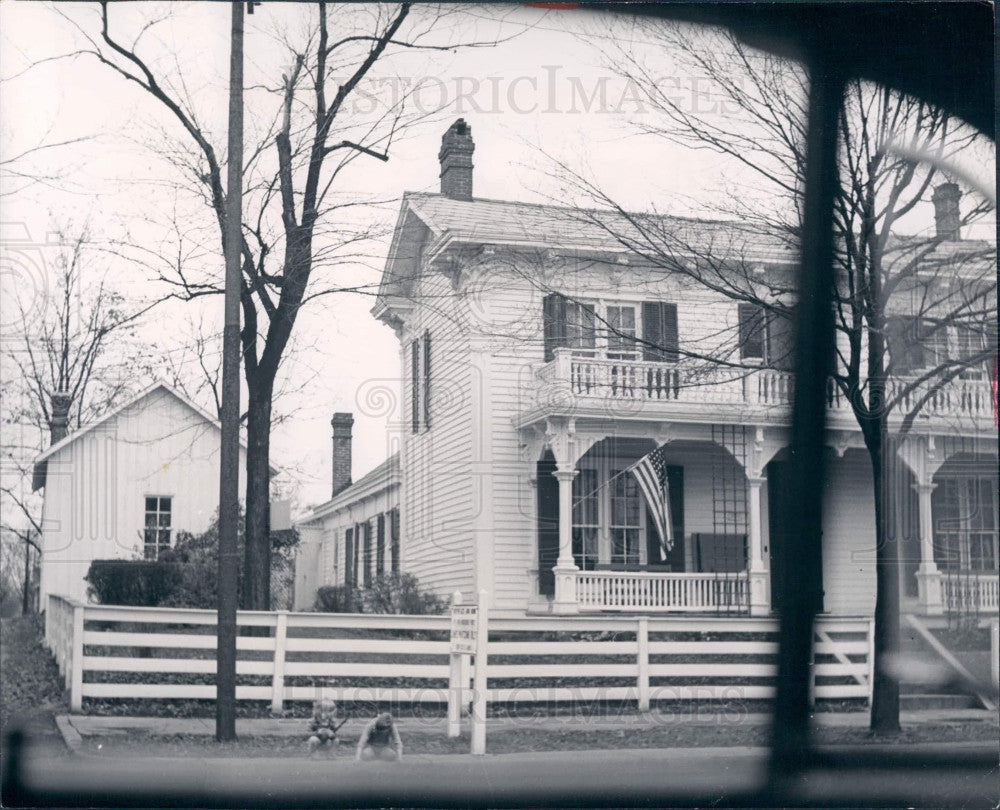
[[76, 727]]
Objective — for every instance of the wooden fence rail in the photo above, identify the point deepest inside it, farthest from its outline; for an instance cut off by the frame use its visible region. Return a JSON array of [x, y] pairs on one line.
[[169, 654]]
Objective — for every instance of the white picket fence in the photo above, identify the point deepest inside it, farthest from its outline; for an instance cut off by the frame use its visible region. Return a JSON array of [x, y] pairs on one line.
[[641, 659]]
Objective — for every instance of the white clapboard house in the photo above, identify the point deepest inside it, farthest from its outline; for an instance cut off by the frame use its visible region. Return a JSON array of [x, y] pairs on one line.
[[125, 485], [524, 403]]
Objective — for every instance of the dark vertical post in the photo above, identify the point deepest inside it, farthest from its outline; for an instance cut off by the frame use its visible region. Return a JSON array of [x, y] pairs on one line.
[[229, 474], [802, 591]]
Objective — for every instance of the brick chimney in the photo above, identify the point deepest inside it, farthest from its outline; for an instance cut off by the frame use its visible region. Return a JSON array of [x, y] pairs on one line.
[[59, 424], [947, 217], [457, 147], [342, 424]]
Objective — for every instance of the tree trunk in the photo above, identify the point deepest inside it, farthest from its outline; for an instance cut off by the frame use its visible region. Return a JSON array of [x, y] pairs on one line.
[[26, 590], [885, 690], [256, 591]]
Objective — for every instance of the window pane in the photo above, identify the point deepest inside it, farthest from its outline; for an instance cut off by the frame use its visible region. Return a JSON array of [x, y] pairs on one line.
[[150, 504], [164, 504], [165, 520], [150, 519]]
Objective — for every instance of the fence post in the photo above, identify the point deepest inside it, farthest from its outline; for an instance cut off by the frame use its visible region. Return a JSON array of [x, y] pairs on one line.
[[456, 687], [642, 656], [479, 691], [278, 676], [75, 668], [995, 653], [871, 661]]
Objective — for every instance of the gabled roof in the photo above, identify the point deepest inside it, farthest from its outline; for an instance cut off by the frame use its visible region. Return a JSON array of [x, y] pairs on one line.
[[38, 479], [377, 480]]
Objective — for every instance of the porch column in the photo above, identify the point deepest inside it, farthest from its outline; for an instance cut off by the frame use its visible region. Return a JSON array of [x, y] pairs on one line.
[[757, 567], [930, 592], [565, 569]]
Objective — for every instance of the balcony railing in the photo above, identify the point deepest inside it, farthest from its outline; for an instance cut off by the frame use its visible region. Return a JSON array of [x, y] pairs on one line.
[[970, 592], [642, 381], [663, 592]]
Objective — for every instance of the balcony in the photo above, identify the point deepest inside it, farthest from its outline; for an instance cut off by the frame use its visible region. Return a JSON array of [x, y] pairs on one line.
[[601, 386]]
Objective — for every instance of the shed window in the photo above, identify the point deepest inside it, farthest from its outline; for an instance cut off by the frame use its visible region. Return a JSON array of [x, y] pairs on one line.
[[156, 530]]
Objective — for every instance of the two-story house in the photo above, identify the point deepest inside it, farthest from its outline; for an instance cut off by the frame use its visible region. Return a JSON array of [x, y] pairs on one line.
[[542, 358]]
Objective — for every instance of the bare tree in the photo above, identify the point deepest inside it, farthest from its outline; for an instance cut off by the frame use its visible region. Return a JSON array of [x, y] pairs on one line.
[[69, 354], [894, 294], [296, 215]]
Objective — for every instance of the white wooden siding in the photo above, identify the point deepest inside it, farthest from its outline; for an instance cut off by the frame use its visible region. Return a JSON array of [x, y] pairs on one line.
[[96, 487]]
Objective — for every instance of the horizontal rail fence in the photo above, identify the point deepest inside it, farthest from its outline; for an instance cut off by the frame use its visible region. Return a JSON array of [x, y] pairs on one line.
[[108, 652]]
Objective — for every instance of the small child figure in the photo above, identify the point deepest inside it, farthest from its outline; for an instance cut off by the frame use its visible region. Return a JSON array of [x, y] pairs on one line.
[[380, 740], [323, 724]]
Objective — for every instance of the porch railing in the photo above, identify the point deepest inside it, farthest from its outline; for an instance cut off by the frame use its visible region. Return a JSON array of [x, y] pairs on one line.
[[643, 380], [665, 592], [970, 592]]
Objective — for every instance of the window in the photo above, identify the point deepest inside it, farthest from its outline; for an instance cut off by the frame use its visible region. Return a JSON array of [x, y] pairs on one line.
[[621, 332], [918, 345], [156, 531], [415, 385], [965, 523], [585, 519], [626, 507], [380, 546], [970, 343]]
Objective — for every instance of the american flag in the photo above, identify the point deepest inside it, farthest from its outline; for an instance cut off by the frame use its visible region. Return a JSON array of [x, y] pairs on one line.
[[650, 472]]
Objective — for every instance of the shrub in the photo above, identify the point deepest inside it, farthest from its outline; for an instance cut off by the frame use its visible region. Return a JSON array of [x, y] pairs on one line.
[[337, 599], [401, 593], [136, 583]]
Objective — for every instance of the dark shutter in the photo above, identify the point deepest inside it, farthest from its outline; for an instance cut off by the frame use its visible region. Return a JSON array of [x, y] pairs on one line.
[[553, 324], [367, 577], [780, 342], [427, 379], [547, 523], [394, 538], [357, 555], [906, 351], [652, 331], [752, 334], [350, 572], [380, 546], [415, 385], [659, 331]]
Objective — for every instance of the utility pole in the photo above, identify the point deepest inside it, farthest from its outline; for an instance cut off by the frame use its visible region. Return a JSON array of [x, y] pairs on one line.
[[229, 466]]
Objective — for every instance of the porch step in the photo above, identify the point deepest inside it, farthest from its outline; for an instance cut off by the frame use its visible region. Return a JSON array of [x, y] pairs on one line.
[[913, 702]]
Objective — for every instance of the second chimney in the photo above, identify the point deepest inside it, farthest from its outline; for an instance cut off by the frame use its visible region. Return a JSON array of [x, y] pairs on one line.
[[342, 424], [455, 156], [947, 217], [59, 424]]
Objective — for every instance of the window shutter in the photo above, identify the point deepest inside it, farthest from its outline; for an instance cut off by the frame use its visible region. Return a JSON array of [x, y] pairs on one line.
[[752, 333], [903, 341], [780, 342], [659, 331], [394, 538], [380, 546], [350, 570], [415, 386], [427, 379], [652, 331], [553, 324]]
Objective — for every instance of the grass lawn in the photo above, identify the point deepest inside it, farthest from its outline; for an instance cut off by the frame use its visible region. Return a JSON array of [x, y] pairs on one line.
[[512, 740], [31, 689]]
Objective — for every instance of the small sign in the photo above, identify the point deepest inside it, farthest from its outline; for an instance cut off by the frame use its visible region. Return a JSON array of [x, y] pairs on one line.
[[463, 629]]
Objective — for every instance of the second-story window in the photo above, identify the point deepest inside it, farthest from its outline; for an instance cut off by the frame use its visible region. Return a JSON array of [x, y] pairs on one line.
[[568, 324], [621, 332], [753, 334]]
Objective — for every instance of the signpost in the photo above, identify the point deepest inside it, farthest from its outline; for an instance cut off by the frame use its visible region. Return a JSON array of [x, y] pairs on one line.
[[469, 635]]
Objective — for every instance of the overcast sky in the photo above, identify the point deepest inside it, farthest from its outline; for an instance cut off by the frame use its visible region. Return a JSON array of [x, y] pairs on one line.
[[548, 90]]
